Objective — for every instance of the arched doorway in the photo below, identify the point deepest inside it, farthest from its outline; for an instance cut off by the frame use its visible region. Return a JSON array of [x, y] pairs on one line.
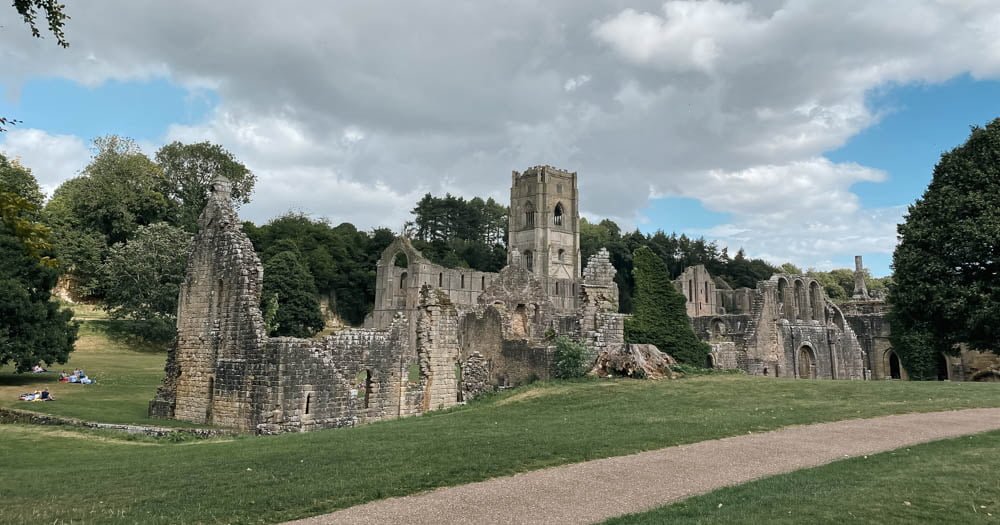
[[942, 368], [710, 361], [783, 299], [807, 363], [895, 370]]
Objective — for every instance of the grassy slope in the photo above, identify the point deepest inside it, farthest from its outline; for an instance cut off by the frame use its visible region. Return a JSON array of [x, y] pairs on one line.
[[127, 374], [276, 478], [951, 481]]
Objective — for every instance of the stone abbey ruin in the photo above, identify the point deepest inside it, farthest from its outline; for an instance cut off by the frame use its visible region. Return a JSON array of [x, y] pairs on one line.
[[439, 336]]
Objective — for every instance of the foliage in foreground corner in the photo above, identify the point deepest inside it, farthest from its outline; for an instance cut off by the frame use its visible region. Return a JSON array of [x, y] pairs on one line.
[[569, 359], [660, 317]]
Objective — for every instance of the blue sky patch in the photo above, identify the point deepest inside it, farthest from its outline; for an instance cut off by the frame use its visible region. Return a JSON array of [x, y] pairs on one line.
[[141, 110]]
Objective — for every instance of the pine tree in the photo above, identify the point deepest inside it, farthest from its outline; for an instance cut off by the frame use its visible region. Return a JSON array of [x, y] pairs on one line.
[[660, 317]]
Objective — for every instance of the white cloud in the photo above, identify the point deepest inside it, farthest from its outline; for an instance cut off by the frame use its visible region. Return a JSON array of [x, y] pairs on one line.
[[51, 158], [349, 109]]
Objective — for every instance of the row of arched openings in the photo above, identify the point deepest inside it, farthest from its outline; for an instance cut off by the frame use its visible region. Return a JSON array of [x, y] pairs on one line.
[[801, 302]]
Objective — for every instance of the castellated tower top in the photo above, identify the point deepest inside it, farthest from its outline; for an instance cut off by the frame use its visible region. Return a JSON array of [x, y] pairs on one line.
[[544, 223]]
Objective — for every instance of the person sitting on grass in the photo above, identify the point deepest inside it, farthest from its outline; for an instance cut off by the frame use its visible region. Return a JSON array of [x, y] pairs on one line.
[[37, 369], [45, 396], [63, 376]]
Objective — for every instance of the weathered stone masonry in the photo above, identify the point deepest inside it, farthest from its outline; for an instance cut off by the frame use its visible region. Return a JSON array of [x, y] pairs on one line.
[[438, 336]]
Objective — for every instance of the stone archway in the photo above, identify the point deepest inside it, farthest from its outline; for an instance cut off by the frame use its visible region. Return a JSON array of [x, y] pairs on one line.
[[895, 368], [943, 370], [806, 363]]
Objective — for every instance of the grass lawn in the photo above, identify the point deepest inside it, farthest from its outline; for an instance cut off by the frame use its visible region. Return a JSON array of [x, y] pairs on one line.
[[52, 475], [126, 371], [950, 481]]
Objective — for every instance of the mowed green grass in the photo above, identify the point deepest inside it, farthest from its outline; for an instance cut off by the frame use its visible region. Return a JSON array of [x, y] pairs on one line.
[[950, 481], [52, 475], [127, 372]]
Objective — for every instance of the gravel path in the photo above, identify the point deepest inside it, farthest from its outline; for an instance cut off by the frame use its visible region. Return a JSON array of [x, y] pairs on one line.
[[577, 493]]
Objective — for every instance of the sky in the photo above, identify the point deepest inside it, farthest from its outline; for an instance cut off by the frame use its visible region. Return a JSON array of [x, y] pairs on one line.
[[798, 130]]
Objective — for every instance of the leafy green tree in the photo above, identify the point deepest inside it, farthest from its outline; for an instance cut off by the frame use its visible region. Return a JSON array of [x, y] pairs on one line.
[[119, 191], [947, 262], [832, 284], [660, 317], [188, 170], [142, 277], [33, 329], [288, 284]]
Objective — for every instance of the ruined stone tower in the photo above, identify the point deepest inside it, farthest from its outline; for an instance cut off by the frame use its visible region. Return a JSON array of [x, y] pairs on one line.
[[860, 288], [545, 230]]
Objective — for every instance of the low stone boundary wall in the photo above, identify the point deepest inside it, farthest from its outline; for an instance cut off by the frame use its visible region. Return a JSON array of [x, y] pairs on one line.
[[11, 415]]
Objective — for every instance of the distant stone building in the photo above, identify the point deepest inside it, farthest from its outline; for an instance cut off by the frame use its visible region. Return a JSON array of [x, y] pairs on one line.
[[866, 313], [785, 327], [437, 336]]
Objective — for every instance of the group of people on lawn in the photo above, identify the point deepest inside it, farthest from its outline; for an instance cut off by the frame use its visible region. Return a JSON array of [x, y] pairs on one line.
[[78, 376]]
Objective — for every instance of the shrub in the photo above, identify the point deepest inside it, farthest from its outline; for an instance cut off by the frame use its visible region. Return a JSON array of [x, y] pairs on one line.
[[569, 359]]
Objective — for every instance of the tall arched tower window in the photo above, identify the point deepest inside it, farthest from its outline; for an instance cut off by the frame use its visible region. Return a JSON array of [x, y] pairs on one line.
[[529, 260], [529, 215], [557, 215]]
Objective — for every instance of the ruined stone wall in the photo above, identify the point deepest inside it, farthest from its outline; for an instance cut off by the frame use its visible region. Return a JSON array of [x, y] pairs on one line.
[[220, 331], [699, 291], [438, 347], [397, 288], [789, 329]]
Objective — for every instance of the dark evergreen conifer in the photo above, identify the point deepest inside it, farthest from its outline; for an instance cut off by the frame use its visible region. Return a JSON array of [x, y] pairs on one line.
[[660, 317]]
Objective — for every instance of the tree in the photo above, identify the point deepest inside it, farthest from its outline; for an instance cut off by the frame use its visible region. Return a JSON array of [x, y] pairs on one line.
[[287, 284], [142, 277], [33, 329], [188, 170], [119, 191], [54, 16], [660, 317], [947, 262]]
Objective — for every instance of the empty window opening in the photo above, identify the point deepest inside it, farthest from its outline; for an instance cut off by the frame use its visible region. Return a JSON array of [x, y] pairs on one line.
[[557, 287], [211, 399], [561, 255], [400, 260], [402, 280], [220, 291], [463, 280], [690, 291], [557, 215], [706, 292], [308, 401], [482, 283], [458, 381], [441, 280], [529, 260], [368, 387]]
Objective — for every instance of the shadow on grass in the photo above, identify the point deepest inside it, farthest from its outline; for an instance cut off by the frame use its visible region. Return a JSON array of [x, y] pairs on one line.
[[138, 336], [28, 378]]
